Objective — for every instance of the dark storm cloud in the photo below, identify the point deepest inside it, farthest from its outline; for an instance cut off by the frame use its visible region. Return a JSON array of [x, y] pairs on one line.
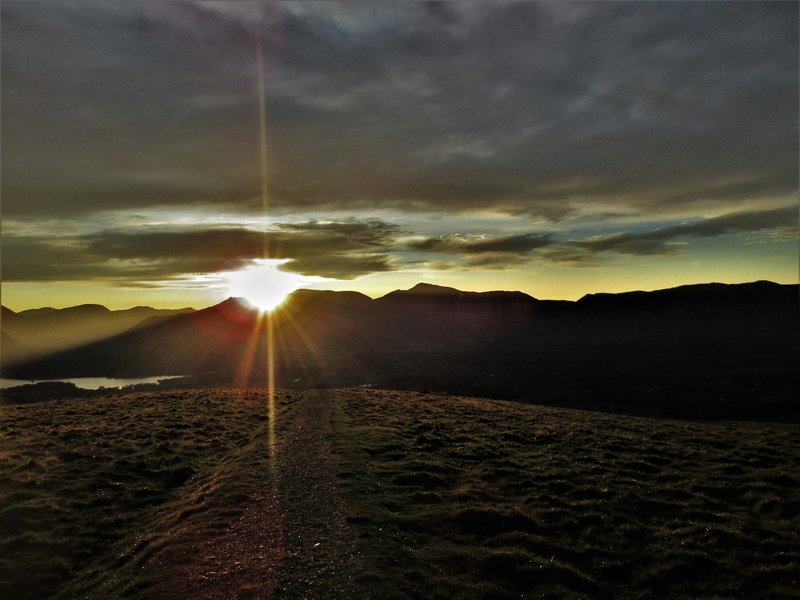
[[343, 250], [535, 109]]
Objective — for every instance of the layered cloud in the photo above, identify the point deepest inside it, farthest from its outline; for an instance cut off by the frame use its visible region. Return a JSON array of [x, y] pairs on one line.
[[661, 240], [508, 250], [402, 138], [545, 111], [345, 249], [341, 250], [459, 244], [483, 251]]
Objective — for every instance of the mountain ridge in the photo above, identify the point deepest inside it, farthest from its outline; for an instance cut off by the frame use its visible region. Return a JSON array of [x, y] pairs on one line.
[[354, 326], [720, 350], [37, 332], [429, 289]]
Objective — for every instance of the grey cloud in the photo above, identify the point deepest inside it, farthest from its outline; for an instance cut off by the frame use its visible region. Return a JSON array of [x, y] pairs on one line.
[[165, 245], [657, 241], [39, 258], [496, 261], [488, 261], [509, 244], [572, 257], [341, 267], [349, 234], [778, 218], [507, 251], [658, 107], [99, 258], [342, 250], [496, 252], [631, 243], [514, 244]]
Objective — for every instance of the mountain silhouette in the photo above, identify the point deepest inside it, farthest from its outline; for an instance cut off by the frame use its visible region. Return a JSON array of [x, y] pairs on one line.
[[446, 315], [37, 332], [758, 295], [728, 343]]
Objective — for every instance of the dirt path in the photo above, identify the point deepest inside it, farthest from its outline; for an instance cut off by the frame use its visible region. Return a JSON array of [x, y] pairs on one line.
[[292, 541], [319, 560]]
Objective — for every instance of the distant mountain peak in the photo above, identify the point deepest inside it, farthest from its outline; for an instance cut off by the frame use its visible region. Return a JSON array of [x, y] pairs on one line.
[[45, 310], [429, 288], [237, 303], [312, 292], [86, 308]]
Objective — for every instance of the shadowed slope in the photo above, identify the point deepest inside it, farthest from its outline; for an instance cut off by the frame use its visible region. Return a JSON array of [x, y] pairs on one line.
[[38, 332], [712, 351], [758, 296], [435, 313]]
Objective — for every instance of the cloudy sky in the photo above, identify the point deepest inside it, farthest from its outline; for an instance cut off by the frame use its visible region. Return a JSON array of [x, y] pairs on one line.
[[559, 149]]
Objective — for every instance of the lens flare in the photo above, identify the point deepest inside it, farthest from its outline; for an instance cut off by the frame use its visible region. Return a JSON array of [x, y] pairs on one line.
[[262, 284]]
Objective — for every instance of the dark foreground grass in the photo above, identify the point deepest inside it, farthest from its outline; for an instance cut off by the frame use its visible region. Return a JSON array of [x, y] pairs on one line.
[[468, 498], [124, 496], [92, 489]]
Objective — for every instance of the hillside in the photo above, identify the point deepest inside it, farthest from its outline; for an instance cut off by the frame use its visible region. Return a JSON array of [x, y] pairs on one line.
[[711, 351], [39, 332], [381, 494]]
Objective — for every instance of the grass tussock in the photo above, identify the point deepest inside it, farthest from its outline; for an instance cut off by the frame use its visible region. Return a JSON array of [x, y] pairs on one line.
[[471, 498]]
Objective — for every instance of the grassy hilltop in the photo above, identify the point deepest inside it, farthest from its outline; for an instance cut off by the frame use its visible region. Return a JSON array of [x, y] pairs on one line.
[[438, 497]]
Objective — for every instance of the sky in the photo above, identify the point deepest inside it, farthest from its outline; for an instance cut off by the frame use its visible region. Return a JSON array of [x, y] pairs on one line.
[[558, 149]]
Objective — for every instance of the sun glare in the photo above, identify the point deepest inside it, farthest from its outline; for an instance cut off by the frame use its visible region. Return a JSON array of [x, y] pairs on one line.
[[263, 285]]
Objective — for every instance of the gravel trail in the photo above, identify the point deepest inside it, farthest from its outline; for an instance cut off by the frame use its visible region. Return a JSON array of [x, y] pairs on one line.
[[292, 540], [320, 559]]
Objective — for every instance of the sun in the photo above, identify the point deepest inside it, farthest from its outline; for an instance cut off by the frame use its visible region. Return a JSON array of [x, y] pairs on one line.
[[262, 284]]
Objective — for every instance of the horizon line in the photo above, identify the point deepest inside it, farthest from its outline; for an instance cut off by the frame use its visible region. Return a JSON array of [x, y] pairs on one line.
[[311, 289]]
